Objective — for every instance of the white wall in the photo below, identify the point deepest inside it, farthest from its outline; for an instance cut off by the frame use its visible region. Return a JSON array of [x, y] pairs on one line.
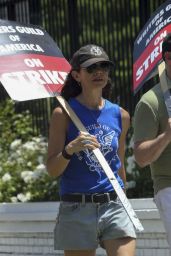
[[27, 229]]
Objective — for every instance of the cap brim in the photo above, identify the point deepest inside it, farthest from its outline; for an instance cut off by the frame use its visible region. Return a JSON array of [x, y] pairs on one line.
[[95, 60]]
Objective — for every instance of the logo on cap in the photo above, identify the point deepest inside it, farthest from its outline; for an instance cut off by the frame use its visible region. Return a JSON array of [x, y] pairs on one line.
[[95, 50]]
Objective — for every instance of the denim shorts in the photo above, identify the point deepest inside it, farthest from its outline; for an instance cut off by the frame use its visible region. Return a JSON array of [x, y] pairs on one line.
[[83, 226]]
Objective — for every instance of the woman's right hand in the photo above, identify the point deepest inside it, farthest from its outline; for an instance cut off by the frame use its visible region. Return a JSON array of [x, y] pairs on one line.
[[83, 141], [56, 163]]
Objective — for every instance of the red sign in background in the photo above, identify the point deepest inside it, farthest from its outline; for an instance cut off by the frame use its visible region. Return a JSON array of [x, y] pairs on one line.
[[31, 64], [148, 45], [48, 71]]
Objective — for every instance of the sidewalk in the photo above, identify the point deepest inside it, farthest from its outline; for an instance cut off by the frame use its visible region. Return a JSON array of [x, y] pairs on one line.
[[26, 229]]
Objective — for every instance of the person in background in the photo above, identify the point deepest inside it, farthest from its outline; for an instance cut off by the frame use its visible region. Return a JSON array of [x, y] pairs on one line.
[[90, 212], [152, 140]]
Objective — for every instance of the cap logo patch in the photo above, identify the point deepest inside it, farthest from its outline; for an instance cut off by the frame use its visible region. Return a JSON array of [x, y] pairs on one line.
[[95, 50]]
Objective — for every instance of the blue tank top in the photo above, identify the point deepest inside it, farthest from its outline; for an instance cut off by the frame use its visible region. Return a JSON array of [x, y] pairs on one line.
[[84, 173]]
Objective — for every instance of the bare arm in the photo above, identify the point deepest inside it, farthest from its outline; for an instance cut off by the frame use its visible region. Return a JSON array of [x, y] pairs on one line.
[[121, 151], [57, 134], [148, 151], [56, 163]]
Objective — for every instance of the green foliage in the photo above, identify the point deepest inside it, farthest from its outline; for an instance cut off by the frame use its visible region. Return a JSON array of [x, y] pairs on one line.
[[139, 182], [13, 125], [23, 174]]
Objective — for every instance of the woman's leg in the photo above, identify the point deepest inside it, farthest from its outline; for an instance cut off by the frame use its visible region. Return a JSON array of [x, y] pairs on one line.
[[120, 247], [80, 253]]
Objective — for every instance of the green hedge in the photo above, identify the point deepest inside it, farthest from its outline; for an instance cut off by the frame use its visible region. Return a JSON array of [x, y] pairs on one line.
[[23, 174]]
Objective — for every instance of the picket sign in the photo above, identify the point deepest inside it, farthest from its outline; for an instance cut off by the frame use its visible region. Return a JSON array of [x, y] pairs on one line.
[[164, 86], [109, 173]]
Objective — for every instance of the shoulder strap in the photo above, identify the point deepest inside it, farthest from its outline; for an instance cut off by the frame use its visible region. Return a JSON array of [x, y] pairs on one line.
[[164, 86]]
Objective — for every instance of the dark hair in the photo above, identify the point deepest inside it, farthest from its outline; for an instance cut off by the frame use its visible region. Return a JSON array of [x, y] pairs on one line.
[[166, 45], [72, 88]]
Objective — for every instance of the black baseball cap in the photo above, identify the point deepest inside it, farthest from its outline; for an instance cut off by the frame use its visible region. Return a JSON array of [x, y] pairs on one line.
[[166, 45], [88, 55]]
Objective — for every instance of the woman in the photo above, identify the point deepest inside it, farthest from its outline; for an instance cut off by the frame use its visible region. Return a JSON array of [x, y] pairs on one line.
[[90, 212]]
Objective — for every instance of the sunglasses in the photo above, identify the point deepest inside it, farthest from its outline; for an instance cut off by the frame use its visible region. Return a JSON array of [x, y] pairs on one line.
[[103, 65]]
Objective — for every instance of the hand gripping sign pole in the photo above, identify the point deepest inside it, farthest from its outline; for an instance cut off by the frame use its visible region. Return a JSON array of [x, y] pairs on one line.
[[33, 67], [164, 87], [109, 173]]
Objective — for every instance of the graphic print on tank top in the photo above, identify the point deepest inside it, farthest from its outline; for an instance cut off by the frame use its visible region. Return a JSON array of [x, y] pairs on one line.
[[108, 139]]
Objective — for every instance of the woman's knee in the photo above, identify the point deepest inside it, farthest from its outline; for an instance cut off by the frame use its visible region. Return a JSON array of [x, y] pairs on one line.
[[120, 247]]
